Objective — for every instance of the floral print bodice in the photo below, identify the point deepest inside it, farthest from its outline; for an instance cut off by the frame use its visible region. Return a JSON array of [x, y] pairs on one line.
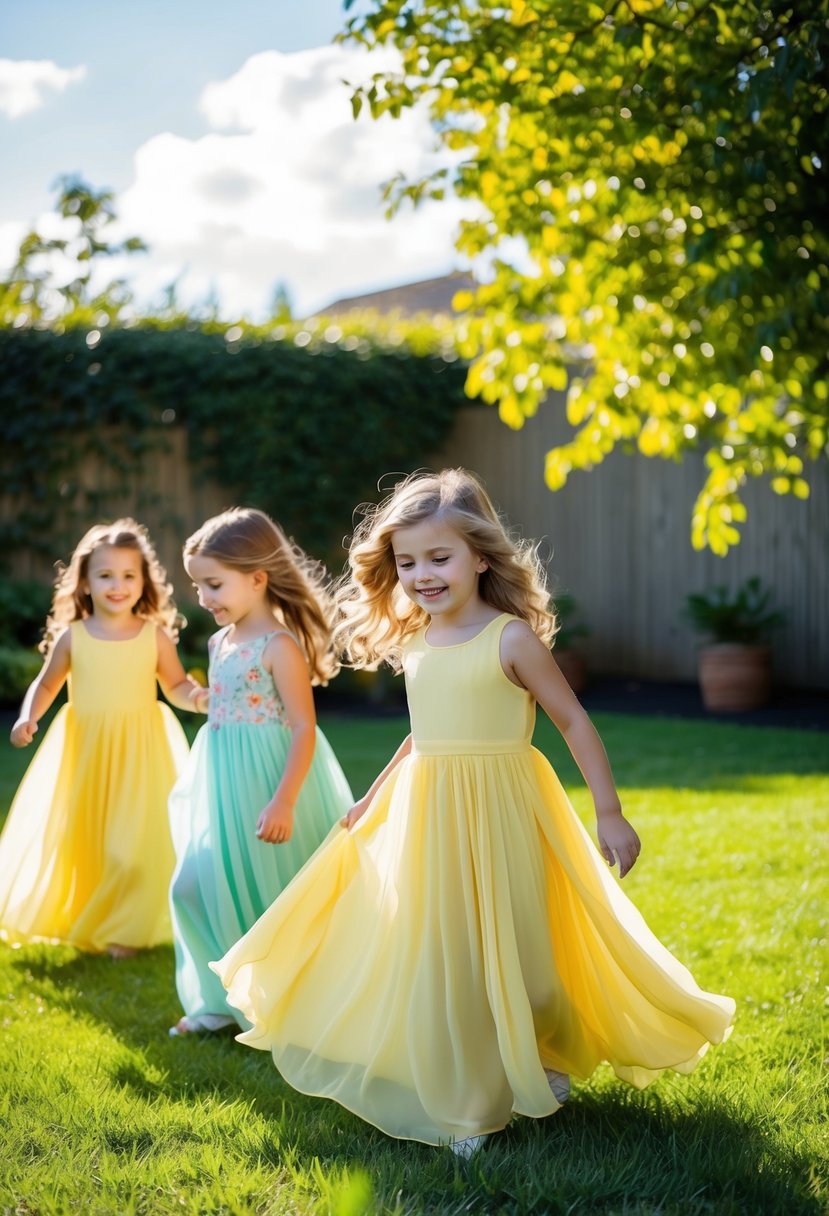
[[241, 690]]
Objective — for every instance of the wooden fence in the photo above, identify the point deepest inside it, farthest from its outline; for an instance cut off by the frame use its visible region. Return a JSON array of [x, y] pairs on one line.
[[167, 494], [619, 540]]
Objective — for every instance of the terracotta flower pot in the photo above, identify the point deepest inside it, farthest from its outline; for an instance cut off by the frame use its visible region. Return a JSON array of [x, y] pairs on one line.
[[734, 677]]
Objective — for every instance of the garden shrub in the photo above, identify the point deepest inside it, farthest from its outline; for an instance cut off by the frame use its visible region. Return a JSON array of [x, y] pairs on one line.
[[301, 426], [24, 605], [18, 667]]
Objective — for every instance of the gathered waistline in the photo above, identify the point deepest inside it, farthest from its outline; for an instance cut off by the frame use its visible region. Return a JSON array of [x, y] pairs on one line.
[[469, 747]]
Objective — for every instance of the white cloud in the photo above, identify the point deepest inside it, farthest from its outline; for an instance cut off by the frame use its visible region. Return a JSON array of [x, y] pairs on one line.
[[24, 83], [11, 234], [285, 188]]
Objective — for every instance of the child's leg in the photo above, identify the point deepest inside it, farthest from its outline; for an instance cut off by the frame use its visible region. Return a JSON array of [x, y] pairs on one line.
[[196, 943], [116, 951], [559, 1085]]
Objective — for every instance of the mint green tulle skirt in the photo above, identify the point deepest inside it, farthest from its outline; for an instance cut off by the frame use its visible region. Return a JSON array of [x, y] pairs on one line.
[[225, 878]]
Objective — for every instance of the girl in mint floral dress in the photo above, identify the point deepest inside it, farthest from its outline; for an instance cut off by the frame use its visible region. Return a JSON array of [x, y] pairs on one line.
[[263, 788]]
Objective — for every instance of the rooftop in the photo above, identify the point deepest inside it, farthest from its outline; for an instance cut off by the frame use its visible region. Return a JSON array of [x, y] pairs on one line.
[[428, 295]]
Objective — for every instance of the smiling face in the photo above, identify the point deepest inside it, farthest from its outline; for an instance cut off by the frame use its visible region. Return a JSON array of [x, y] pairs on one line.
[[437, 569], [229, 594], [114, 580]]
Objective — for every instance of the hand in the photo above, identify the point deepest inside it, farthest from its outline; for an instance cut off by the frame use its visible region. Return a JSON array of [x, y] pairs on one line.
[[23, 731], [356, 813], [276, 823], [618, 841], [198, 696]]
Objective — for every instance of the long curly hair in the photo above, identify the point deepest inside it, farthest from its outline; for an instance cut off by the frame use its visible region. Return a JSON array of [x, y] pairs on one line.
[[71, 602], [376, 617], [246, 539]]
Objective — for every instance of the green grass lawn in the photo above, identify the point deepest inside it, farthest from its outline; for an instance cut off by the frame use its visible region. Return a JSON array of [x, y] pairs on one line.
[[101, 1112]]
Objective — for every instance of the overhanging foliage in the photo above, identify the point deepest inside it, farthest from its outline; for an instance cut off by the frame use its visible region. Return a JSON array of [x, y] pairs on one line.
[[660, 166]]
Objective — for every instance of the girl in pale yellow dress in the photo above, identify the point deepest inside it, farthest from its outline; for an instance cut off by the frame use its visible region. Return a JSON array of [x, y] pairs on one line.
[[461, 949], [86, 855]]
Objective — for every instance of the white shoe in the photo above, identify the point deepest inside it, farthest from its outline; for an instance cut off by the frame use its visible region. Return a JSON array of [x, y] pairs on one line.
[[468, 1147], [207, 1023], [559, 1083]]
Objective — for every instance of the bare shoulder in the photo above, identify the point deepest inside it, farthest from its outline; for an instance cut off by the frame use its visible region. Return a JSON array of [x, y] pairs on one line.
[[518, 639], [284, 660], [57, 663], [63, 646], [60, 657], [282, 648], [524, 657], [163, 640]]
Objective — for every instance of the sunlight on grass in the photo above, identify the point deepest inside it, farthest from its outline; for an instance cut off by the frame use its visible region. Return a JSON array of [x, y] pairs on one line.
[[101, 1112]]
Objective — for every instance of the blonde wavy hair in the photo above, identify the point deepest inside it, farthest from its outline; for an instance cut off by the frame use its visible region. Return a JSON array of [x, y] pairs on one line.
[[377, 617], [71, 602], [245, 539]]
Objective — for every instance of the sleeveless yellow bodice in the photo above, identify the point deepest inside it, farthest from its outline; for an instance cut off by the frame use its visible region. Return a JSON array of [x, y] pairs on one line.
[[461, 701], [112, 677], [86, 855]]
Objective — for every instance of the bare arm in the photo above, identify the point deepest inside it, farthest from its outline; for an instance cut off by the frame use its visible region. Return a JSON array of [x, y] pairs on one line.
[[286, 663], [359, 809], [180, 689], [529, 663], [42, 691]]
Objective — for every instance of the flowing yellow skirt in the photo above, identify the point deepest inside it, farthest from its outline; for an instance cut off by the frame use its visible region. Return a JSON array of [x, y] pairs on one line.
[[86, 856], [425, 968]]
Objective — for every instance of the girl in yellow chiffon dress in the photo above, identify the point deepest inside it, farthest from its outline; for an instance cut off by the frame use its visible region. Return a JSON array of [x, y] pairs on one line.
[[461, 950], [86, 855]]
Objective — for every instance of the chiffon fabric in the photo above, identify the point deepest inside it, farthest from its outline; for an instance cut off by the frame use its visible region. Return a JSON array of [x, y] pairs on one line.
[[225, 876], [86, 855], [426, 967]]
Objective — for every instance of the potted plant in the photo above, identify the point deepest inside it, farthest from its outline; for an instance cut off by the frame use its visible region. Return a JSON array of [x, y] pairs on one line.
[[570, 628], [735, 666]]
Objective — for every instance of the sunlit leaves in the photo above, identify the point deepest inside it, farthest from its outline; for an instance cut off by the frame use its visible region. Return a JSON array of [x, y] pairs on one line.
[[31, 291], [661, 170]]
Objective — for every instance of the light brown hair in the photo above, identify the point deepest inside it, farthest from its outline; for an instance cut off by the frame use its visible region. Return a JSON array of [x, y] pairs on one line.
[[246, 539], [71, 602], [377, 617]]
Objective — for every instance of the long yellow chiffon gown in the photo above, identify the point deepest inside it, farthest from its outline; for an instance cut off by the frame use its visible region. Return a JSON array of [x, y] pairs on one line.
[[426, 967], [86, 855]]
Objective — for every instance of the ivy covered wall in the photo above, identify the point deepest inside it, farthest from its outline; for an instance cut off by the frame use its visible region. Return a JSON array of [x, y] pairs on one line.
[[301, 424]]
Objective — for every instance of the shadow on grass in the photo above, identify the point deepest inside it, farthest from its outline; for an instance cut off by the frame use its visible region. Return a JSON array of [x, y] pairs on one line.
[[611, 1150]]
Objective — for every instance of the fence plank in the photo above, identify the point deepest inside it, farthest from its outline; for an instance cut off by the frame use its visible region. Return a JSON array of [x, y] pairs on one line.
[[618, 539], [620, 542]]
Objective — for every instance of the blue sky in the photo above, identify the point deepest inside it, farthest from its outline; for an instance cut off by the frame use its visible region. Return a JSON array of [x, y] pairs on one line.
[[225, 132]]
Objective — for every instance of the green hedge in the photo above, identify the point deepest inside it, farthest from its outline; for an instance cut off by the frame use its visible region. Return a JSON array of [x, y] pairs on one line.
[[24, 605], [300, 426], [18, 667]]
